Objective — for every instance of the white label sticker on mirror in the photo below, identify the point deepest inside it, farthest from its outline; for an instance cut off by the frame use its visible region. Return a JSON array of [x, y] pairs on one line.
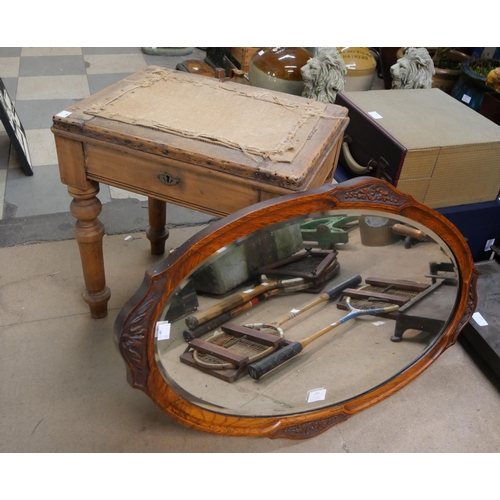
[[162, 330], [316, 395]]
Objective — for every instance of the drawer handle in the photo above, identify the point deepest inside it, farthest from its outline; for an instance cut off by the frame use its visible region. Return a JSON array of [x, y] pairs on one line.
[[167, 179]]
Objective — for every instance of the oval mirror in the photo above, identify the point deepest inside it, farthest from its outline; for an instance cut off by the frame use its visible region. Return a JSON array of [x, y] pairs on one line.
[[288, 317]]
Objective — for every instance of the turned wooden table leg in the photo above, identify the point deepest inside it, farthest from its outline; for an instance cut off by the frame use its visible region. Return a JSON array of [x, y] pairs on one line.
[[88, 232], [157, 232]]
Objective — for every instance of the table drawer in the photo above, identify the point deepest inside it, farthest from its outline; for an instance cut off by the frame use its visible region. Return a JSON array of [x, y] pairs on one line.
[[183, 184]]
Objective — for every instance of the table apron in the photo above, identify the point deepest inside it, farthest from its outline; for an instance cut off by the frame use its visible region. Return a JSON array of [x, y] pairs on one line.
[[185, 184], [170, 180]]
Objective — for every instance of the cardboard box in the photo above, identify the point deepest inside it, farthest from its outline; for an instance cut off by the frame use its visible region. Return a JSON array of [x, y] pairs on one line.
[[432, 146]]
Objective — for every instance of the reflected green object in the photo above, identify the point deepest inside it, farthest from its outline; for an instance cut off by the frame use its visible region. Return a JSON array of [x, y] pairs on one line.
[[327, 231]]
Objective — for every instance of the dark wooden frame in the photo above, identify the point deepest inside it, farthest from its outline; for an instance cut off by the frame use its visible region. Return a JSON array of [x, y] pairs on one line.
[[14, 129], [135, 325]]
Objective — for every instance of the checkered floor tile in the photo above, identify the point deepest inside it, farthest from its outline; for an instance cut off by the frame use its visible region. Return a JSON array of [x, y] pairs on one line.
[[42, 81]]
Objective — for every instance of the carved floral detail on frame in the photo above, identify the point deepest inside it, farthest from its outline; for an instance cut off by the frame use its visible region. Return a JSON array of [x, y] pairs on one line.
[[372, 193], [310, 429], [133, 346], [471, 303]]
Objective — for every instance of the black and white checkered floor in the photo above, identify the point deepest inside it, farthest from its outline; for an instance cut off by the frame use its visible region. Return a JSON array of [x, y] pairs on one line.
[[42, 82]]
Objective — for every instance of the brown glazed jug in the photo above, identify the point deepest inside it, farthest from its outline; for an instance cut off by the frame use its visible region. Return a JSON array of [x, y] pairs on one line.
[[278, 68]]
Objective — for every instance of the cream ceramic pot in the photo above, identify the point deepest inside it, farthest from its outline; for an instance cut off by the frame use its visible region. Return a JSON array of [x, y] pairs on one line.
[[360, 65]]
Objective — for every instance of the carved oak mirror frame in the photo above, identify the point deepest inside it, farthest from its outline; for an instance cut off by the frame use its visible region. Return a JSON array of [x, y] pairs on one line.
[[135, 325]]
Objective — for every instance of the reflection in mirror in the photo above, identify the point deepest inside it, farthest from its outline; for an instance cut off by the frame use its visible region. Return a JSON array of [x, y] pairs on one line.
[[307, 313]]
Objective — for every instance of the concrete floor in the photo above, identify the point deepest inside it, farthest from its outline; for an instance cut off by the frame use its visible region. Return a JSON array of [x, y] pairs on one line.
[[62, 380]]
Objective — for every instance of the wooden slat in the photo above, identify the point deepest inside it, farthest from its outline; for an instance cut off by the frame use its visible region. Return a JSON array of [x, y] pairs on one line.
[[220, 352], [411, 286], [251, 334], [383, 297]]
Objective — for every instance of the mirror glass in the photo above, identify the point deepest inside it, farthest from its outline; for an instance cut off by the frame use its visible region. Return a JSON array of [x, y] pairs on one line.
[[268, 288]]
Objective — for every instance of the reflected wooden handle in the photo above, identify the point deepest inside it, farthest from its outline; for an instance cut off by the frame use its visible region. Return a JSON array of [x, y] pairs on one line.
[[408, 231], [201, 317]]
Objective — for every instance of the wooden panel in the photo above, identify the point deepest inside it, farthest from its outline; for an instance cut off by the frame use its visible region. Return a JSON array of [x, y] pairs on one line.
[[71, 162], [324, 172], [326, 167], [190, 186]]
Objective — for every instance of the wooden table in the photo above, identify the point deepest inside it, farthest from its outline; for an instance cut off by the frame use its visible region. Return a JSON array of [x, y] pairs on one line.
[[127, 136]]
